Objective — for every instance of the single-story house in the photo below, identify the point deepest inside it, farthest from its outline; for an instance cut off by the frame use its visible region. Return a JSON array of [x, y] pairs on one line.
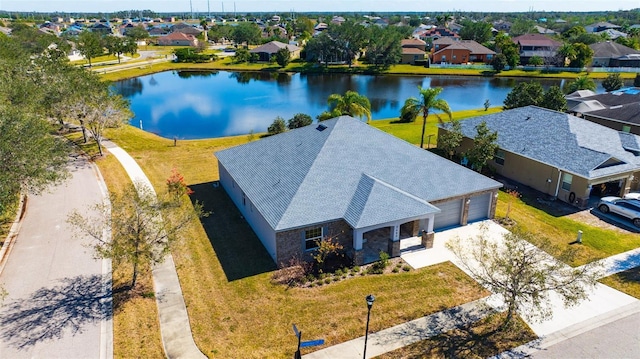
[[605, 53], [619, 110], [177, 39], [461, 52], [271, 48], [559, 154], [349, 181], [601, 26]]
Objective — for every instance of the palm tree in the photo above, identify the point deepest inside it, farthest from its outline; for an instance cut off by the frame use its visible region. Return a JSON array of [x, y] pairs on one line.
[[351, 103], [567, 52], [580, 83], [428, 100]]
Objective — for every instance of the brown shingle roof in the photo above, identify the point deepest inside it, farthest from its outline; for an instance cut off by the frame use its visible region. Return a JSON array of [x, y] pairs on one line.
[[535, 40]]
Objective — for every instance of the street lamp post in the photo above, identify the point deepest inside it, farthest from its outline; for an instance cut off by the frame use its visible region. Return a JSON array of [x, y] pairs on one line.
[[370, 299]]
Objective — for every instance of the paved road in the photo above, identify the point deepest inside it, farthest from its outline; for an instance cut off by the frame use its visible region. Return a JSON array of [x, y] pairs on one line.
[[619, 339], [59, 300]]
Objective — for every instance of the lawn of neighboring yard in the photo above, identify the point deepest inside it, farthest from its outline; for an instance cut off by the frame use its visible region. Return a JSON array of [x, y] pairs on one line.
[[234, 309], [627, 282], [411, 132], [533, 216]]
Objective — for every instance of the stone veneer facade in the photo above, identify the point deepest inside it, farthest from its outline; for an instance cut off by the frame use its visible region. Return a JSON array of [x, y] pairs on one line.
[[290, 244]]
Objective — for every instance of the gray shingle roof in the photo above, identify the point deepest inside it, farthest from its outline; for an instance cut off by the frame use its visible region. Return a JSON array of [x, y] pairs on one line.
[[561, 140], [350, 171]]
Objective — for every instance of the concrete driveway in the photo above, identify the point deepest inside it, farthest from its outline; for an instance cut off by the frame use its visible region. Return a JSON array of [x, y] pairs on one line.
[[602, 299], [59, 302]]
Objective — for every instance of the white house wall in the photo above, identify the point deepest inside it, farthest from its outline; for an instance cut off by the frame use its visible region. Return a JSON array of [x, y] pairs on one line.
[[257, 222]]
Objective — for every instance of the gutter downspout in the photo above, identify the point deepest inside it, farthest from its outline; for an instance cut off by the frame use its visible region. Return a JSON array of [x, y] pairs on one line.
[[558, 184]]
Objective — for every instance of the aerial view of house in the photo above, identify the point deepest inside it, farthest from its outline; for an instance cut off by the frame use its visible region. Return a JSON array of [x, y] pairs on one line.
[[348, 180]]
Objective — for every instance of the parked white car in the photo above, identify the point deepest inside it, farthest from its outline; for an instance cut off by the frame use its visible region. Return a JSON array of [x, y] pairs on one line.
[[633, 195], [628, 208]]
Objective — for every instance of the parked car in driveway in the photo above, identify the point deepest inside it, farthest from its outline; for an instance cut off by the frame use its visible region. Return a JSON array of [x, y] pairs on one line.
[[628, 208], [632, 195]]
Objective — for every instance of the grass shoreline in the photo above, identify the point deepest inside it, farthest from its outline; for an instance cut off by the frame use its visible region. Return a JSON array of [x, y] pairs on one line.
[[226, 64]]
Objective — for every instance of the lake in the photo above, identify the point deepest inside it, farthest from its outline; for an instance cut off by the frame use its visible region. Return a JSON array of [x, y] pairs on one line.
[[193, 105]]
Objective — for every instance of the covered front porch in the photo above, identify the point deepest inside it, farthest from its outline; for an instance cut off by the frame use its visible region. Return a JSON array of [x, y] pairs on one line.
[[392, 238]]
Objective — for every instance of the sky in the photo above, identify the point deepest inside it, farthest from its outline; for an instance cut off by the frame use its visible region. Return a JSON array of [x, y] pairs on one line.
[[244, 6]]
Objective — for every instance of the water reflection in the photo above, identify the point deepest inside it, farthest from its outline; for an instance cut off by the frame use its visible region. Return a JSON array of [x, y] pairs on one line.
[[202, 104], [129, 87]]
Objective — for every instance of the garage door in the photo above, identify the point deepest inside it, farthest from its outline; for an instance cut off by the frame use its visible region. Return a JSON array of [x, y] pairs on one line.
[[479, 207], [450, 215]]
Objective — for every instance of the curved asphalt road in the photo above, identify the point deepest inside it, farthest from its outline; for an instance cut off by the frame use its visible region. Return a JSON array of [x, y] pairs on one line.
[[59, 296]]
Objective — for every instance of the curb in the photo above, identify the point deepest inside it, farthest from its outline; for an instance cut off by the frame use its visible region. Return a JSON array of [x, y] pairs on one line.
[[13, 232]]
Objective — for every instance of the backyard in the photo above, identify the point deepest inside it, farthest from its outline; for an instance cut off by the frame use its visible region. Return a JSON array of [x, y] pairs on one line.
[[226, 274]]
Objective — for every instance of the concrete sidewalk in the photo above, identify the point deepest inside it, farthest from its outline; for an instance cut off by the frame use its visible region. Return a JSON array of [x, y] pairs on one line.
[[172, 311]]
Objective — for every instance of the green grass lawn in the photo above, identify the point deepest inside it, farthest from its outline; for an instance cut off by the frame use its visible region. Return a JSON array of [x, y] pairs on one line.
[[225, 273], [627, 282]]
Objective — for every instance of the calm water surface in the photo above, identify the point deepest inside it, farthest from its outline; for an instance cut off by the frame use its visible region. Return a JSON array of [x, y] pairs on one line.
[[192, 105]]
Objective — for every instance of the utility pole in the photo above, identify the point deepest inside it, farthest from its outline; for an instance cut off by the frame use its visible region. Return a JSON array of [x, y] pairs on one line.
[[208, 9], [191, 8]]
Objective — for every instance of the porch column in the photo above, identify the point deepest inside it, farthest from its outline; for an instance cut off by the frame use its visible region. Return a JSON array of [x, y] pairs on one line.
[[394, 241], [465, 211], [358, 253], [626, 186]]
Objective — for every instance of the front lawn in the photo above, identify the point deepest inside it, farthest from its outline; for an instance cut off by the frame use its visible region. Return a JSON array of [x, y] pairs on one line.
[[234, 309]]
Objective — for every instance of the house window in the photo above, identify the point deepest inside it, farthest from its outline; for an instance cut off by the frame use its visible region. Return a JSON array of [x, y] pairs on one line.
[[499, 157], [311, 238], [566, 181]]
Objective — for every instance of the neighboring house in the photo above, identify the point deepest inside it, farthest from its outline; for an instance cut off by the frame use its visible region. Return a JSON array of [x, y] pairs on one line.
[[271, 48], [619, 110], [502, 25], [435, 33], [611, 34], [349, 181], [610, 54], [601, 26], [188, 31], [338, 20], [179, 26], [564, 156], [101, 28], [412, 50], [531, 45], [158, 31], [544, 30], [461, 52], [177, 39]]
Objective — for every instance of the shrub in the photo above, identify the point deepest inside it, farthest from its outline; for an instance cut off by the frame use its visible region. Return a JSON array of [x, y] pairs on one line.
[[406, 268], [327, 280], [395, 270]]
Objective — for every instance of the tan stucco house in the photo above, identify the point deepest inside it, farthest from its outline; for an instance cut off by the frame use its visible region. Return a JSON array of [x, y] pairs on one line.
[[559, 154], [346, 180], [266, 51]]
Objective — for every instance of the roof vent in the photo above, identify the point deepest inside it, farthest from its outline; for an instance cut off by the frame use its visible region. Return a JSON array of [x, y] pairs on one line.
[[321, 127], [528, 118]]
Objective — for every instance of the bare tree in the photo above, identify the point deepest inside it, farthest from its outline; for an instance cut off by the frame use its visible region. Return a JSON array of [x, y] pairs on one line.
[[143, 228], [522, 274]]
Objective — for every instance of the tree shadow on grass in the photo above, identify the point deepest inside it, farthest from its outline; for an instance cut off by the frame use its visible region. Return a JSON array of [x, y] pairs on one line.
[[240, 252], [49, 313]]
